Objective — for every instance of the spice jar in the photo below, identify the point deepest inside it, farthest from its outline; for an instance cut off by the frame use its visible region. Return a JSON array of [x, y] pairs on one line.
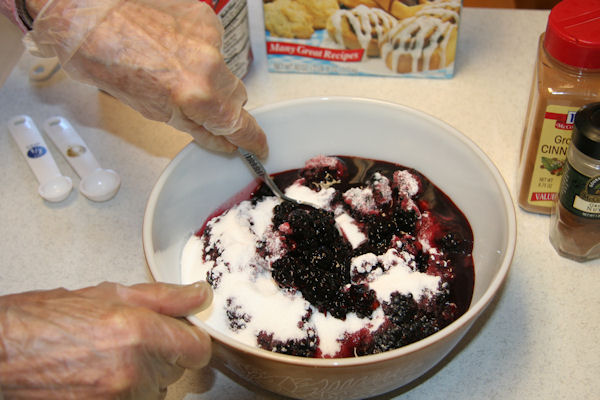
[[236, 34], [575, 221], [566, 77]]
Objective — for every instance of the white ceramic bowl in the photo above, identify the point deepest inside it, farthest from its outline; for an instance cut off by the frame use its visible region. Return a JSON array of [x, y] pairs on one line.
[[197, 181]]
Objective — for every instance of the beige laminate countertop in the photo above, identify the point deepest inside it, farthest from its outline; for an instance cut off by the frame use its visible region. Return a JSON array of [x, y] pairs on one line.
[[538, 340]]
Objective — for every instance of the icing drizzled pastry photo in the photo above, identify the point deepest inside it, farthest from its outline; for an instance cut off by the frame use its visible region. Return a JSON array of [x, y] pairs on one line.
[[448, 11], [420, 43], [361, 27]]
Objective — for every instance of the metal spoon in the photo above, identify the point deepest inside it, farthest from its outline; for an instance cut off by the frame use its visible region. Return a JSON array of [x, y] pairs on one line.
[[259, 170]]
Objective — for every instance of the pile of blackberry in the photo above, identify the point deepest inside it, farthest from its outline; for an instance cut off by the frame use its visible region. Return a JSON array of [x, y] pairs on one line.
[[304, 347], [307, 346], [318, 262], [237, 318], [408, 322], [319, 176], [382, 227]]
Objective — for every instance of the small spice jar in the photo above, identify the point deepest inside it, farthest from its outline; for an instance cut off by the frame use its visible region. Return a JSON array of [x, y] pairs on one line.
[[236, 34], [575, 221], [566, 77]]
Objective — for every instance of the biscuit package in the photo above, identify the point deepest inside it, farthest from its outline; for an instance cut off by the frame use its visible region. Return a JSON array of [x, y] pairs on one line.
[[402, 38]]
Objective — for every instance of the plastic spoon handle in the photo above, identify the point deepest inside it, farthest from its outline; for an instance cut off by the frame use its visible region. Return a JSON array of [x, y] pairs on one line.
[[44, 69], [34, 149], [71, 146]]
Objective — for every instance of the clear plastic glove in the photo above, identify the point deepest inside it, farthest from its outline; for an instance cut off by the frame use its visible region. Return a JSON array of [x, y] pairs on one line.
[[161, 57], [104, 342]]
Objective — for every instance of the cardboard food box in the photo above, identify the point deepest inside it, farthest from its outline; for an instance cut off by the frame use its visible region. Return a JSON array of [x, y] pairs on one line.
[[400, 38]]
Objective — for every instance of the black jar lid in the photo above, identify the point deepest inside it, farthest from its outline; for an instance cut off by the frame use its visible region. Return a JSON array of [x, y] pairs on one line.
[[586, 130]]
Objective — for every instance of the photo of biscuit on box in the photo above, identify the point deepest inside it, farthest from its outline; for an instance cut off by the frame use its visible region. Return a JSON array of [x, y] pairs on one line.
[[413, 38]]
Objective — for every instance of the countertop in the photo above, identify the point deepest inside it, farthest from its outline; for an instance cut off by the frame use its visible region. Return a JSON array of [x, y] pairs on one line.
[[539, 338]]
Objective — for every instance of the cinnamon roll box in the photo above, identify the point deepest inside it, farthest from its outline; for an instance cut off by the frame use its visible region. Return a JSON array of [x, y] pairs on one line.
[[402, 38]]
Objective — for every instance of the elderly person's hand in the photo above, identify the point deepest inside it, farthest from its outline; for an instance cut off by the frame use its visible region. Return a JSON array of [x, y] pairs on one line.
[[104, 342], [163, 58]]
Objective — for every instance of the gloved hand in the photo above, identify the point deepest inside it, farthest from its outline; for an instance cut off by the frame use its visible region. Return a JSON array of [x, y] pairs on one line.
[[104, 342], [161, 57]]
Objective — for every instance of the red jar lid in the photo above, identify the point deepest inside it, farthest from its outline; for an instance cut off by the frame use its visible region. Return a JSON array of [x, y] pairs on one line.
[[573, 33]]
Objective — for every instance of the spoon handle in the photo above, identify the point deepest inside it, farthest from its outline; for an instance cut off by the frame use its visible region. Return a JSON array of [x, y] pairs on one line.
[[253, 162], [34, 148], [260, 171], [71, 145]]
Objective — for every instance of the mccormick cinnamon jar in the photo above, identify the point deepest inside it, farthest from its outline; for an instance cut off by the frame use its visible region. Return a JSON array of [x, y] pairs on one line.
[[566, 77], [575, 221]]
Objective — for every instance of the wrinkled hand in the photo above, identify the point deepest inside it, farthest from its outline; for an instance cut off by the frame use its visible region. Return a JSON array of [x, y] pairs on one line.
[[160, 57], [104, 342]]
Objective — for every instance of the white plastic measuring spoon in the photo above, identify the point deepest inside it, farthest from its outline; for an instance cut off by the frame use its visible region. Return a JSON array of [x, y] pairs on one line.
[[97, 184], [54, 187], [44, 69]]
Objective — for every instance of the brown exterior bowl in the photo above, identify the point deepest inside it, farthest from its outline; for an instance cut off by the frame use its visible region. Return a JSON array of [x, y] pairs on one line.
[[197, 182]]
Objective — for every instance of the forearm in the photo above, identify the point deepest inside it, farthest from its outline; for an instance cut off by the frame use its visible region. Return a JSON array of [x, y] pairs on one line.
[[162, 58]]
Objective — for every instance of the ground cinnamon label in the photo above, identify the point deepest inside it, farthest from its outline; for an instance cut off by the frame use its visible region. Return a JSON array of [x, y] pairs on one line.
[[551, 151]]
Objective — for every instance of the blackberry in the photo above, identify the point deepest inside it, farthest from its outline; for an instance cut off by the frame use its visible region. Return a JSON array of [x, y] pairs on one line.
[[405, 220], [404, 315], [281, 212], [282, 271], [322, 258], [454, 243], [384, 339], [395, 336], [214, 278], [410, 322], [210, 252], [422, 261], [362, 300], [381, 228], [319, 264], [320, 177], [304, 347], [237, 318], [401, 308], [380, 231]]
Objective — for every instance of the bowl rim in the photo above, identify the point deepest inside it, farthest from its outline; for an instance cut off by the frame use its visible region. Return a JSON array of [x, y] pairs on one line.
[[474, 310]]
